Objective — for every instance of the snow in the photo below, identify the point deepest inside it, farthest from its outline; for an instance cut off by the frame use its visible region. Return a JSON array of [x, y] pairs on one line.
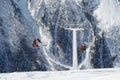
[[49, 59], [96, 74], [34, 6], [107, 14], [87, 61], [23, 6], [56, 29]]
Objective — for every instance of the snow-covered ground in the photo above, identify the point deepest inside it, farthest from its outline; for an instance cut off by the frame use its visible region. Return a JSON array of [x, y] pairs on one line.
[[96, 74]]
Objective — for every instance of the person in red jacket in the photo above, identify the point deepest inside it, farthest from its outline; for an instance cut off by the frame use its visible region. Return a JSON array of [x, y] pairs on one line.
[[82, 48], [36, 42]]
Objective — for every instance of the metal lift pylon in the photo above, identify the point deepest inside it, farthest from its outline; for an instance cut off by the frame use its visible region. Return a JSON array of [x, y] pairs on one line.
[[75, 60]]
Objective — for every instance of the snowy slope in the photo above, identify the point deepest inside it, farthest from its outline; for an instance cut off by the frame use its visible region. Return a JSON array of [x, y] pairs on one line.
[[100, 74]]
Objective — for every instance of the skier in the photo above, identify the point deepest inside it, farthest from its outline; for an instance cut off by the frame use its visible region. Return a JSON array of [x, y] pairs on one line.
[[36, 42], [82, 48]]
